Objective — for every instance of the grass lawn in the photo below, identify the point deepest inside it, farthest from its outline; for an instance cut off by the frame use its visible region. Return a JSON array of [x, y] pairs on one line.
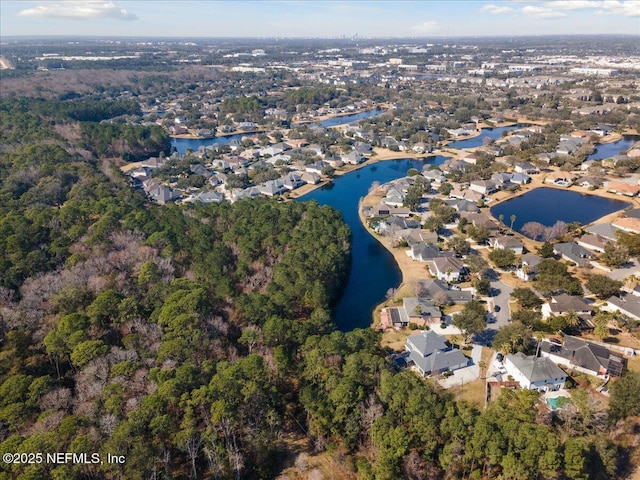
[[395, 339], [473, 392]]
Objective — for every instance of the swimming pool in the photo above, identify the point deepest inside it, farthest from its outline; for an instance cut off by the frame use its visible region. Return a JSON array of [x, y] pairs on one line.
[[557, 403]]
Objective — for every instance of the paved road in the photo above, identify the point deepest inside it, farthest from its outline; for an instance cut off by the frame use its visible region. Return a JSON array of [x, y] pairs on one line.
[[500, 294]]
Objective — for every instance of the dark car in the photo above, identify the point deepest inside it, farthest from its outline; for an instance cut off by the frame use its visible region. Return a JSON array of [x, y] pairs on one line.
[[496, 308]]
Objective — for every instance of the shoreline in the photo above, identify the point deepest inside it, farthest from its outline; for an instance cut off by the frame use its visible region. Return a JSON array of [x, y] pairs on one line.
[[382, 154]]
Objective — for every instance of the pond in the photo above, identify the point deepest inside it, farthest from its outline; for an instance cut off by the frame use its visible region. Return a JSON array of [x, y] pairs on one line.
[[608, 150], [345, 119], [491, 133], [181, 144], [549, 205], [373, 268]]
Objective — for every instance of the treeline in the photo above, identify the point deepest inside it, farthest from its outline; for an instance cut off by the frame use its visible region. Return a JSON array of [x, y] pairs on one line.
[[131, 142], [82, 110]]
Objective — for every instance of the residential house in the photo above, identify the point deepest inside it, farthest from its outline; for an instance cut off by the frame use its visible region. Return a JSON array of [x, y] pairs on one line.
[[471, 159], [583, 356], [591, 182], [433, 174], [163, 195], [564, 304], [438, 290], [292, 180], [272, 188], [310, 178], [425, 252], [621, 188], [526, 167], [593, 242], [627, 224], [626, 304], [414, 236], [353, 158], [529, 267], [316, 167], [535, 373], [153, 163], [431, 355], [509, 243], [485, 187], [394, 197], [382, 210], [421, 311], [453, 164], [208, 197], [450, 269], [393, 223], [605, 230], [573, 252], [501, 179], [561, 179], [520, 178]]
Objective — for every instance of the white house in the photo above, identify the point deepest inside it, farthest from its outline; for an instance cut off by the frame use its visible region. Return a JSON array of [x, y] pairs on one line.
[[533, 373], [446, 268]]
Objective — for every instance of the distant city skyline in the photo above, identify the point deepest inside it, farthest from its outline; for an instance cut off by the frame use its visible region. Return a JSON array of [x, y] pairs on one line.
[[321, 19]]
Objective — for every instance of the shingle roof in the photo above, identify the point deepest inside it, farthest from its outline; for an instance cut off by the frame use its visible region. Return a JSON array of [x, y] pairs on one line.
[[535, 369]]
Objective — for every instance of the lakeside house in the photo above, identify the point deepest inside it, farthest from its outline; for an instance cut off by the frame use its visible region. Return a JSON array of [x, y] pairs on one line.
[[507, 243], [573, 252]]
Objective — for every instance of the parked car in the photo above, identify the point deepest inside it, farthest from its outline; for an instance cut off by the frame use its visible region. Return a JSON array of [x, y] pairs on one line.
[[496, 308]]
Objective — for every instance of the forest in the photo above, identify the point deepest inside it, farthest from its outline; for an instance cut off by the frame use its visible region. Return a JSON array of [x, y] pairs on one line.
[[197, 340]]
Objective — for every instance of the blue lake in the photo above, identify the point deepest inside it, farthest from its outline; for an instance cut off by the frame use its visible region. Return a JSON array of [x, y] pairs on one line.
[[492, 133], [373, 268], [345, 119], [609, 150], [549, 205], [181, 144]]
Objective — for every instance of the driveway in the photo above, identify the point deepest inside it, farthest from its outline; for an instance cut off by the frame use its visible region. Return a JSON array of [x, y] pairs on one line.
[[500, 295], [466, 374]]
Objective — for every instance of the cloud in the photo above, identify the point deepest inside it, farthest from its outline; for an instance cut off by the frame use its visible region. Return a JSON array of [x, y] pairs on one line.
[[541, 12], [495, 9], [629, 8], [572, 4], [426, 27], [79, 9]]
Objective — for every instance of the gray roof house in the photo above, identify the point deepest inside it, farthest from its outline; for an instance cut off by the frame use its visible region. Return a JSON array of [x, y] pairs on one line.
[[533, 373], [421, 311], [573, 252], [593, 242], [446, 268], [425, 252], [434, 288], [605, 230], [626, 304], [563, 304], [529, 267], [507, 243], [584, 356], [431, 355]]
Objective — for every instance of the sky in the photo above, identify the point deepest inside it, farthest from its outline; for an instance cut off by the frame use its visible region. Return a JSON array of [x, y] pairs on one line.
[[317, 18]]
